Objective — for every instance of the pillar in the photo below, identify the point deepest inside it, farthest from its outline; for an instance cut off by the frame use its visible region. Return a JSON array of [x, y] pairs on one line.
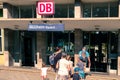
[[77, 9], [38, 16], [41, 48], [119, 9], [118, 68], [6, 10], [78, 42]]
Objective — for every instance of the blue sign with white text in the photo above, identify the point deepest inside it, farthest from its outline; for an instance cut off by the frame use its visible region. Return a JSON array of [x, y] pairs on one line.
[[46, 27]]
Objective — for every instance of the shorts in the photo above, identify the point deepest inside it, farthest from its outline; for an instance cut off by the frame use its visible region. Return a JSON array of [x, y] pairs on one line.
[[62, 77]]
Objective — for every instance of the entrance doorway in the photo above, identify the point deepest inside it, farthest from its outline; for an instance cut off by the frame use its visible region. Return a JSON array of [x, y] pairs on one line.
[[27, 49], [27, 52], [99, 41], [98, 49]]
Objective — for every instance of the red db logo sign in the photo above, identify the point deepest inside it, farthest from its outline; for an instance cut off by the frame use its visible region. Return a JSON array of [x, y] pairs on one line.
[[45, 8]]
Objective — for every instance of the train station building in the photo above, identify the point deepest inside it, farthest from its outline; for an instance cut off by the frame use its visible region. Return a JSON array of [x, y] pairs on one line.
[[91, 23]]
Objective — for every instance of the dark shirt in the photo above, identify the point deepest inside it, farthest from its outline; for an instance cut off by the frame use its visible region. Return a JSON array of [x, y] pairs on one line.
[[57, 58], [76, 76], [80, 65]]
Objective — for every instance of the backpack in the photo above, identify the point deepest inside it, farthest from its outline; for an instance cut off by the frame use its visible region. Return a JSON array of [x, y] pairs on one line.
[[51, 59], [83, 59]]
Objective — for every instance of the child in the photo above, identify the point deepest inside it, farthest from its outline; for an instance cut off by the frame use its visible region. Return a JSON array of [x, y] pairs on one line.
[[80, 65], [70, 64], [76, 75], [44, 72]]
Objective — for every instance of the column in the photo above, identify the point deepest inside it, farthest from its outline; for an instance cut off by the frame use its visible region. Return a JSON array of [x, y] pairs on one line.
[[77, 8], [6, 9], [16, 44], [78, 42], [41, 48], [38, 16], [118, 52], [119, 9]]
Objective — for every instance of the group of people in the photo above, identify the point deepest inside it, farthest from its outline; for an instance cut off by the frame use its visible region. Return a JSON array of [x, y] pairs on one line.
[[64, 66]]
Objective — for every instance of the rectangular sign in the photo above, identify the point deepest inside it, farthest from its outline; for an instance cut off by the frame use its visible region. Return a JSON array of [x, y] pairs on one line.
[[46, 27], [45, 7]]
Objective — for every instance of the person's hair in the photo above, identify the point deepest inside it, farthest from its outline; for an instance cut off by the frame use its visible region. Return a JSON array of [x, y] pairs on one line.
[[68, 57], [43, 64], [58, 48], [64, 55]]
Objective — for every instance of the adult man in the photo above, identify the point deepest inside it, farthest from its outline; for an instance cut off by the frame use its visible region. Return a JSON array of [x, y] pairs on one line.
[[84, 57], [58, 55]]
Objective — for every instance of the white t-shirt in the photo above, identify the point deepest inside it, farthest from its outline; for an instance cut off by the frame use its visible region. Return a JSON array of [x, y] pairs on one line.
[[44, 71], [63, 67], [71, 64]]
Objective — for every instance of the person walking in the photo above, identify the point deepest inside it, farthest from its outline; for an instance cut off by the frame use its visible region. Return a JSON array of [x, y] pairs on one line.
[[71, 65], [58, 55], [44, 72], [63, 68], [84, 57], [76, 75]]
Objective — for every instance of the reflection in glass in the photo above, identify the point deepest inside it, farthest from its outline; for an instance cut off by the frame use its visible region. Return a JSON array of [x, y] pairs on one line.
[[62, 11], [1, 12], [24, 11], [0, 42], [87, 10], [114, 10], [61, 39], [15, 11], [0, 45], [100, 9]]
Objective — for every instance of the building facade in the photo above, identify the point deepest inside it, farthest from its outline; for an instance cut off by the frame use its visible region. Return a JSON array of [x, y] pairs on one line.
[[91, 23]]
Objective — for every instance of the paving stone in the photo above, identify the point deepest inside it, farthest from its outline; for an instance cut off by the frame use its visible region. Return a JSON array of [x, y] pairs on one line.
[[8, 73]]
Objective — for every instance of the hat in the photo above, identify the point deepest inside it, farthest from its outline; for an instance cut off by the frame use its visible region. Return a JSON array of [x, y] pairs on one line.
[[76, 69]]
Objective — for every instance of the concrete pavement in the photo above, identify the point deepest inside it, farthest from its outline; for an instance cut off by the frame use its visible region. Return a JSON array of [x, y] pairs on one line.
[[29, 73]]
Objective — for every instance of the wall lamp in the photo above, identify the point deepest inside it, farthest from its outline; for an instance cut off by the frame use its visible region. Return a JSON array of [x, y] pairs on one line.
[[31, 22], [45, 21], [60, 21]]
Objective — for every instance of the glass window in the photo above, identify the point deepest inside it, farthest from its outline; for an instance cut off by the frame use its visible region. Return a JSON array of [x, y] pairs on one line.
[[71, 11], [62, 39], [15, 13], [24, 11], [62, 11], [113, 64], [114, 49], [1, 12], [100, 10], [113, 9], [114, 42], [86, 37], [0, 41], [87, 10], [34, 11]]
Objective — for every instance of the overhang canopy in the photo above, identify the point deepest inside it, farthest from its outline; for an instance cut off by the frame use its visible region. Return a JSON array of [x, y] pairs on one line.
[[85, 24]]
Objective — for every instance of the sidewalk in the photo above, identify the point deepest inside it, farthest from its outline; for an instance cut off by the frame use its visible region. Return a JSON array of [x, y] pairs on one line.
[[29, 73]]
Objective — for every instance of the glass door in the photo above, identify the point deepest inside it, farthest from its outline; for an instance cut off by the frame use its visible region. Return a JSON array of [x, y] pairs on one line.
[[65, 40], [97, 43]]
